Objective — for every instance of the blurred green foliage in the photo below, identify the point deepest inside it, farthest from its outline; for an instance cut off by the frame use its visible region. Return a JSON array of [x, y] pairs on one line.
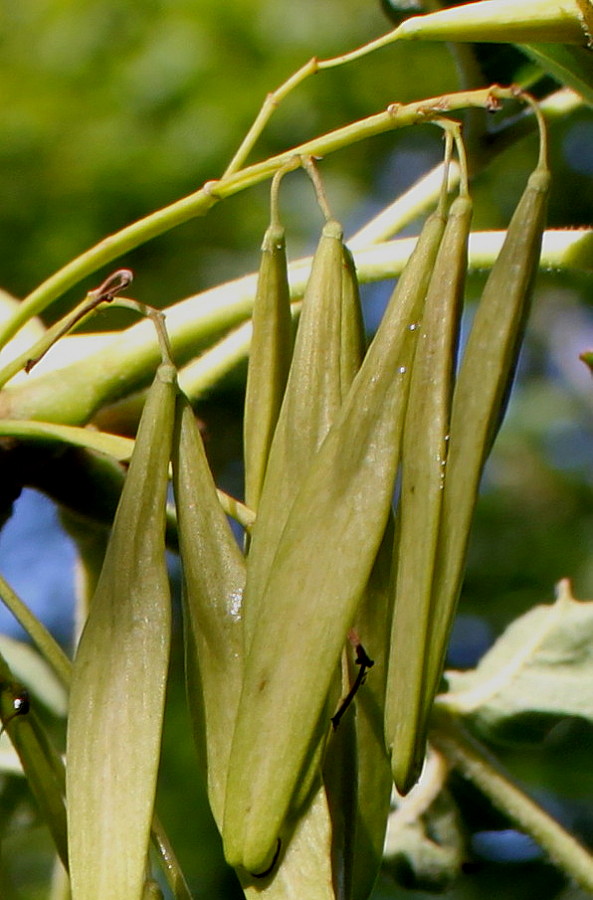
[[111, 110]]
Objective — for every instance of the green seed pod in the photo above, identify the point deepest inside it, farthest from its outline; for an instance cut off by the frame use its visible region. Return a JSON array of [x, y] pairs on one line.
[[358, 836], [530, 22], [269, 360], [119, 676], [345, 768], [479, 400], [340, 777], [311, 400], [352, 342], [214, 576], [343, 775], [326, 355], [320, 569], [214, 573], [424, 456], [303, 865]]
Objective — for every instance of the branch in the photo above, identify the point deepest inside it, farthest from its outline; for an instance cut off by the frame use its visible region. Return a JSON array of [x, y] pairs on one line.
[[198, 203], [117, 364], [474, 762]]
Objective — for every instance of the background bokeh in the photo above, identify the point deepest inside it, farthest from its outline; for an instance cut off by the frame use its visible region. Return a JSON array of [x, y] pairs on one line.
[[110, 110]]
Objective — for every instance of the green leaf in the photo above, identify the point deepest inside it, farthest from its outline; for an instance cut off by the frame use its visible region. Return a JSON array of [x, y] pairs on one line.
[[542, 664], [570, 65]]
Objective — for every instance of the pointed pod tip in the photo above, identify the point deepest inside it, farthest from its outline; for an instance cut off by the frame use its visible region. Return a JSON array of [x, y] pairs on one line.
[[406, 777]]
